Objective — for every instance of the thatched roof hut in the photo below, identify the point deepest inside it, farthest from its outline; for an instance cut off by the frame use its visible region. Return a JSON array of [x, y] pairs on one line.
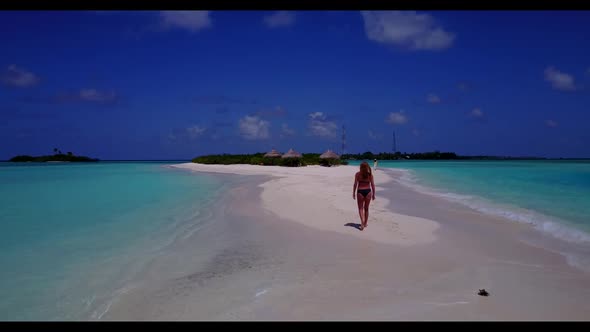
[[292, 154], [329, 155], [273, 154]]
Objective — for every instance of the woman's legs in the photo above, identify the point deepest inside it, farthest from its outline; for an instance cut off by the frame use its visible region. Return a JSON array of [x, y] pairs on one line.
[[360, 200], [367, 201]]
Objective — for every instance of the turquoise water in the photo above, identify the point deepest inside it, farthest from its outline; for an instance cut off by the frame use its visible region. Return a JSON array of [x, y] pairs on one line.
[[73, 235], [553, 195]]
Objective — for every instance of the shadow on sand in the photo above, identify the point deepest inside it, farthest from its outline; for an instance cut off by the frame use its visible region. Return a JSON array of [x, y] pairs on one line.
[[351, 224]]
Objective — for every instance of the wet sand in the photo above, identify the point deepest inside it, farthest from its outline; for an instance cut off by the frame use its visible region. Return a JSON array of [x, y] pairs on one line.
[[280, 246]]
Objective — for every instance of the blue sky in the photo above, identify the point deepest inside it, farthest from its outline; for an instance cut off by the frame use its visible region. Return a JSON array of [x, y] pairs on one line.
[[168, 85]]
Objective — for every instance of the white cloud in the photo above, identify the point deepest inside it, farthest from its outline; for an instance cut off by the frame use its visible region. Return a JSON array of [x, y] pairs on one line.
[[406, 29], [476, 113], [433, 99], [195, 131], [94, 95], [397, 118], [559, 80], [192, 20], [551, 123], [280, 18], [319, 125], [253, 128], [286, 131], [18, 77], [186, 135], [317, 115]]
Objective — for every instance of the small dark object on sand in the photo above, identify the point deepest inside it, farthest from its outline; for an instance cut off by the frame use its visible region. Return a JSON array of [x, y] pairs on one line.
[[482, 292]]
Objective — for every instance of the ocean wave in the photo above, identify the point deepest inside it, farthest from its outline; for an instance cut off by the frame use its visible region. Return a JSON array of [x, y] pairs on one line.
[[549, 225], [104, 308]]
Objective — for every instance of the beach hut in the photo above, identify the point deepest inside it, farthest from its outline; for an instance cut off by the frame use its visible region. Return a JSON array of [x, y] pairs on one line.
[[273, 154], [329, 158], [291, 158], [292, 154], [329, 155]]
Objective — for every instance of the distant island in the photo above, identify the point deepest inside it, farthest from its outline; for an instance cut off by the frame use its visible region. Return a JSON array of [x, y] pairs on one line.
[[260, 159], [58, 156], [435, 155], [314, 158]]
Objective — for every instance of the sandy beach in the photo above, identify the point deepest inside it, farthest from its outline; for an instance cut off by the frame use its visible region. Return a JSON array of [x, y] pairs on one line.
[[199, 165], [283, 245], [321, 198]]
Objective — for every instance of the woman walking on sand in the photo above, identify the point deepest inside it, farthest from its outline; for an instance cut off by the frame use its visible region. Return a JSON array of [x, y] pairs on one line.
[[363, 191]]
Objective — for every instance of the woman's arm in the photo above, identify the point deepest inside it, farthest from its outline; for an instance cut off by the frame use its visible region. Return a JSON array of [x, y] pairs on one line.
[[372, 186], [354, 187]]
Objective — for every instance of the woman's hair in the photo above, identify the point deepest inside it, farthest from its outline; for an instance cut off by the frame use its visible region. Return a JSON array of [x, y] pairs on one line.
[[365, 170]]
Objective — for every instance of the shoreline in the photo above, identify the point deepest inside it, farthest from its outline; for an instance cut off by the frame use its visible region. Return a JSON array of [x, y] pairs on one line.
[[407, 229], [554, 226], [548, 233], [254, 264], [332, 200]]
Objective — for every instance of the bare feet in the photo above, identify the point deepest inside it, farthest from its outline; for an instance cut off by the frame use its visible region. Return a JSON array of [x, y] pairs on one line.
[[361, 227]]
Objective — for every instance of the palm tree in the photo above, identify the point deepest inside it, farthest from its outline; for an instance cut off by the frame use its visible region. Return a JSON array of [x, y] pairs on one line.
[[69, 154], [55, 150]]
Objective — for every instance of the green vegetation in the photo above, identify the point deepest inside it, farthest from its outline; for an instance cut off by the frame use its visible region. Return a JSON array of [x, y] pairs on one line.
[[58, 156], [314, 158], [435, 155], [259, 159]]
